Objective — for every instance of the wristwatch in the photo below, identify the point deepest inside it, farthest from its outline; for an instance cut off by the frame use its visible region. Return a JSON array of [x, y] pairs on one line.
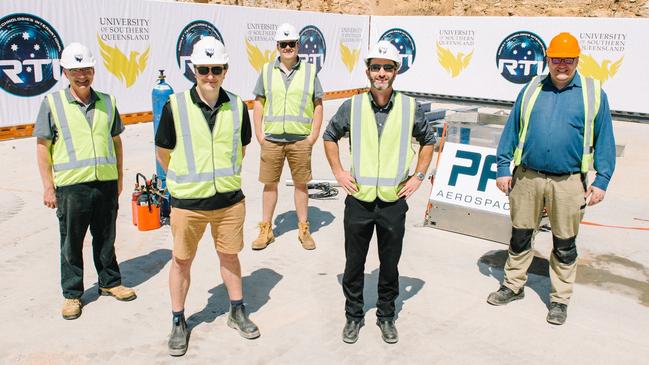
[[420, 176]]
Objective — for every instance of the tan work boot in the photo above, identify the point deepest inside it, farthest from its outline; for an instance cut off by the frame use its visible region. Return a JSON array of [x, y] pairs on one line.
[[71, 309], [120, 292], [305, 236], [265, 237]]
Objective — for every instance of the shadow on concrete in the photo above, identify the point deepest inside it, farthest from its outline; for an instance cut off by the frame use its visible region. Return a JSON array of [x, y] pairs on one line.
[[256, 293], [492, 264], [135, 271], [408, 288], [287, 221]]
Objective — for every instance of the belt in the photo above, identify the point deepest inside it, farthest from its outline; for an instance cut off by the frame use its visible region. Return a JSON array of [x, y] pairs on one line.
[[526, 168]]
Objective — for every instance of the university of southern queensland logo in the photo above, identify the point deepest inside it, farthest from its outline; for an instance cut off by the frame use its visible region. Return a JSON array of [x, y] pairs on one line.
[[30, 49], [126, 69], [608, 47], [350, 46], [191, 34], [260, 44], [459, 40], [521, 56], [313, 48], [405, 45]]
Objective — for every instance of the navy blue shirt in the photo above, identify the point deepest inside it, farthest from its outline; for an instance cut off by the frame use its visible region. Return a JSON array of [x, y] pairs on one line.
[[555, 134]]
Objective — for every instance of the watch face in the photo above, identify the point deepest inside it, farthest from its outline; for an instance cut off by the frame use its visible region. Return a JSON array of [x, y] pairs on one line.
[[420, 176]]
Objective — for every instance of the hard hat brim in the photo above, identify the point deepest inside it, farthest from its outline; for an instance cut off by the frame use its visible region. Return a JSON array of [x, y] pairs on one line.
[[208, 62], [67, 66], [562, 54]]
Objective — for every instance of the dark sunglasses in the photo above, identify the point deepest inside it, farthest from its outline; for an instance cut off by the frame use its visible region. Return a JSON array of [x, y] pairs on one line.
[[204, 70], [558, 61], [290, 44], [376, 67]]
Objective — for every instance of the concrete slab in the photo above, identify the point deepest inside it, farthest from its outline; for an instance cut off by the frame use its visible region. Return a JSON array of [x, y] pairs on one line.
[[295, 296]]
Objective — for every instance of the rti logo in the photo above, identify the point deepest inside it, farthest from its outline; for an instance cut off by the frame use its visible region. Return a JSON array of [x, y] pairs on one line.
[[191, 34], [313, 48], [405, 45], [520, 57], [30, 49]]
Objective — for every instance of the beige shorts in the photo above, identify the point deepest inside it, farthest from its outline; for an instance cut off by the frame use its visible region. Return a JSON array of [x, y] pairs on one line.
[[273, 155], [188, 226]]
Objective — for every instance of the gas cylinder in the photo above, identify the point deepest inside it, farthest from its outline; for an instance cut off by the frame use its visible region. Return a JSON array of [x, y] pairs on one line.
[[134, 197], [160, 95]]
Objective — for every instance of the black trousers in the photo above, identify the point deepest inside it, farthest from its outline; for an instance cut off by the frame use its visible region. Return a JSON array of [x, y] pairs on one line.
[[80, 206], [359, 222]]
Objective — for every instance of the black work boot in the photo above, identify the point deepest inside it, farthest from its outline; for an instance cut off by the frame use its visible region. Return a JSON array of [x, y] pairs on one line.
[[179, 337], [504, 295], [350, 332], [238, 319], [388, 330], [557, 314]]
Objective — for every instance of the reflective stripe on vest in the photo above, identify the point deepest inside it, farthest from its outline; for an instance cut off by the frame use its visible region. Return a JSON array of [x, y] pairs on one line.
[[381, 164], [205, 162], [289, 110], [591, 93], [84, 152]]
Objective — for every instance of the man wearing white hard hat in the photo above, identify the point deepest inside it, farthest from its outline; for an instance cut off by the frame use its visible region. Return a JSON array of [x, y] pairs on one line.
[[287, 116], [380, 124], [201, 143], [79, 155]]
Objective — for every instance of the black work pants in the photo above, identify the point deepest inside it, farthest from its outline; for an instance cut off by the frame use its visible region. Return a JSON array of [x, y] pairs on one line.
[[359, 222], [80, 206]]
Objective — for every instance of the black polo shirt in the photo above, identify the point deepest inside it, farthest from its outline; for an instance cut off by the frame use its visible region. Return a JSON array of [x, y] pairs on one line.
[[166, 138]]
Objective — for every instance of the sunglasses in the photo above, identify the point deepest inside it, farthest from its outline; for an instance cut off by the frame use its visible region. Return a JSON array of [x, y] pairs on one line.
[[558, 61], [376, 67], [290, 44], [204, 70]]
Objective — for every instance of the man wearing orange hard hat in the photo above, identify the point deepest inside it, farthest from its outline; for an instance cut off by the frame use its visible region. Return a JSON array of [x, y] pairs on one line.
[[559, 127]]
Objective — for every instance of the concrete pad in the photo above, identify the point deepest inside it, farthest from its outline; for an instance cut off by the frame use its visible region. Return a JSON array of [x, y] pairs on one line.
[[295, 295]]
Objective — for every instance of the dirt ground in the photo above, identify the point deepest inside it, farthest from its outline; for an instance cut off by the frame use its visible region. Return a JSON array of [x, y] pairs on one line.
[[579, 8]]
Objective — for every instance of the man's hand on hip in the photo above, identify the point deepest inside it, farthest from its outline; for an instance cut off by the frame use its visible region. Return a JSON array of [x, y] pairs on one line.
[[347, 181], [504, 183], [410, 187], [595, 194]]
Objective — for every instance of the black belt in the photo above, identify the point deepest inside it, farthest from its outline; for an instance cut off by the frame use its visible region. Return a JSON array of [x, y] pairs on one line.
[[525, 168]]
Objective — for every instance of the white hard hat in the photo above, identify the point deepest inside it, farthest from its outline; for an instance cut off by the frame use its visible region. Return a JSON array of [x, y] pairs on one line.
[[385, 50], [76, 55], [209, 51], [286, 32]]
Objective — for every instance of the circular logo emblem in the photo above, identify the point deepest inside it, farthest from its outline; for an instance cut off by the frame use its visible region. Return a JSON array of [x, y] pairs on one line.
[[313, 48], [30, 50], [520, 57], [405, 44], [191, 34]]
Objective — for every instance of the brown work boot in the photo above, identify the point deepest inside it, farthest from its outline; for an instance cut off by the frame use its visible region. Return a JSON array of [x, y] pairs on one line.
[[305, 236], [120, 292], [71, 309], [265, 237]]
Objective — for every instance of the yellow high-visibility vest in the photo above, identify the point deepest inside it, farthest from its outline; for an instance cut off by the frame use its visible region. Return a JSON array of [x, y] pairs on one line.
[[205, 162], [380, 164], [591, 93], [289, 111], [83, 153]]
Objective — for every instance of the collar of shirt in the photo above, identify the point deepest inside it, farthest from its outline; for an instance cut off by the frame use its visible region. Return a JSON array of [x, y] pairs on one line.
[[386, 108], [575, 82], [295, 66], [196, 99], [93, 97]]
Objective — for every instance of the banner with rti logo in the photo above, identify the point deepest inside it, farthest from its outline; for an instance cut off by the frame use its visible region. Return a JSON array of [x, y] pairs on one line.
[[132, 39], [466, 176], [494, 57]]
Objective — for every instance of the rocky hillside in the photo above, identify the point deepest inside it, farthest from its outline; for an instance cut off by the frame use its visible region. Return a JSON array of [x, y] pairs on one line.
[[581, 8]]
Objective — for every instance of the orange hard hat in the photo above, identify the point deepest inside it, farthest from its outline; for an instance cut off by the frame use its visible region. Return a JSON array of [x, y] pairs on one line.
[[563, 45]]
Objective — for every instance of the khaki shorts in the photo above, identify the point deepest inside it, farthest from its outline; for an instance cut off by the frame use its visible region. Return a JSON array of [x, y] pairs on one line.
[[273, 154], [188, 226]]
